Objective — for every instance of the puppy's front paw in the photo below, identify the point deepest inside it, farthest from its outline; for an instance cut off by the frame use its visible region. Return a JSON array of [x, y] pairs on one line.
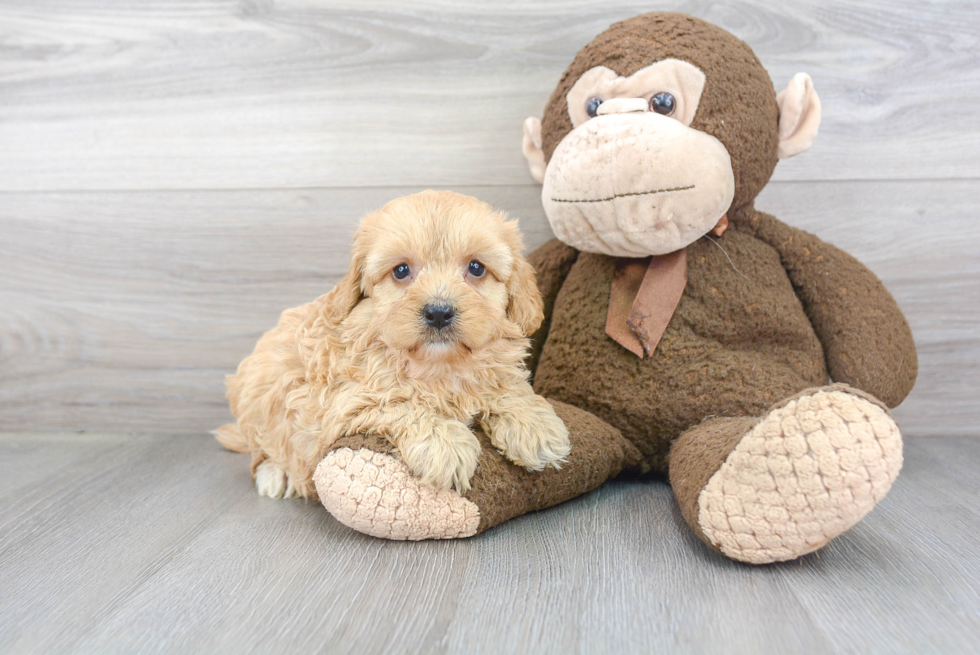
[[530, 434], [444, 458]]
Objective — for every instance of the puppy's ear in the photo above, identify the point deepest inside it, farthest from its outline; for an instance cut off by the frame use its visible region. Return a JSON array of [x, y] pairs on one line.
[[344, 297], [525, 307]]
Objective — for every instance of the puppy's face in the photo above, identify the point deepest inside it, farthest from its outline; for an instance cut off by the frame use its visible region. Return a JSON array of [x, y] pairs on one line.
[[442, 275]]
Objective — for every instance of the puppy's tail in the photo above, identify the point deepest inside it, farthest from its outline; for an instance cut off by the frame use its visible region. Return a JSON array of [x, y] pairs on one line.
[[231, 438]]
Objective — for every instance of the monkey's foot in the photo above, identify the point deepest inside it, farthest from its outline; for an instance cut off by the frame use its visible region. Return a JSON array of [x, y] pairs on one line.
[[773, 489], [367, 487]]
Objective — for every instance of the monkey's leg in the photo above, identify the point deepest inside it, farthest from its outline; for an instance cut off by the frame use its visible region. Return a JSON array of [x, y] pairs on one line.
[[769, 489], [364, 484]]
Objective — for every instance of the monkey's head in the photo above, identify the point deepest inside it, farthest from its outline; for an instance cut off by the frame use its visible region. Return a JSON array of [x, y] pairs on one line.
[[660, 127]]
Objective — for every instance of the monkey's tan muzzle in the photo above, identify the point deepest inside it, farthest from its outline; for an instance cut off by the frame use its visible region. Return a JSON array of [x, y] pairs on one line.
[[633, 184]]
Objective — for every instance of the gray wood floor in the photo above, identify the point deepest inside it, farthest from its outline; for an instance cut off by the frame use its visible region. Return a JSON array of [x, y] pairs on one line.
[[122, 543]]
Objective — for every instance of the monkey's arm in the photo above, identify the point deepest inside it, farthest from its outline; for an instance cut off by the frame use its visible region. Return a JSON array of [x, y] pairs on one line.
[[867, 341], [551, 263]]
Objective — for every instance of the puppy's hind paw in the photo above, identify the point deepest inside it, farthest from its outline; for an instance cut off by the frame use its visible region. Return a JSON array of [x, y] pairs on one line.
[[533, 436], [272, 481], [444, 459]]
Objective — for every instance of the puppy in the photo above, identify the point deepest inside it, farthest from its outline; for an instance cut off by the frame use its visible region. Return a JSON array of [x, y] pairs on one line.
[[426, 333]]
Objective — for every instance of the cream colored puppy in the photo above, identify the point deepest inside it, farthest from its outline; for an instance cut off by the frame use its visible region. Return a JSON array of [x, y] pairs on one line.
[[426, 333]]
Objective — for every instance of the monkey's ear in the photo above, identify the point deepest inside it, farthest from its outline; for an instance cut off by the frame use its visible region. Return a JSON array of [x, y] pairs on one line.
[[532, 148], [799, 116]]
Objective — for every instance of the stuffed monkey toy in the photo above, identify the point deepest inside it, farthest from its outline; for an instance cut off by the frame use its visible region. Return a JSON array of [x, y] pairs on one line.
[[686, 333]]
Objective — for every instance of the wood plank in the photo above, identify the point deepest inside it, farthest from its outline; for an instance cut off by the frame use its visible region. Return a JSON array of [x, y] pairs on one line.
[[293, 94], [102, 528], [123, 311], [619, 571], [34, 458], [163, 546]]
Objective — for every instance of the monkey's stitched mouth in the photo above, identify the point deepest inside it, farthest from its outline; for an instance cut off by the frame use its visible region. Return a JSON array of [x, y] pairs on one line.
[[624, 195]]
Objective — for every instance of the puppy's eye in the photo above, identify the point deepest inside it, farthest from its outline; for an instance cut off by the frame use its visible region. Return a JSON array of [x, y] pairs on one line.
[[592, 107], [663, 103], [401, 271], [476, 269]]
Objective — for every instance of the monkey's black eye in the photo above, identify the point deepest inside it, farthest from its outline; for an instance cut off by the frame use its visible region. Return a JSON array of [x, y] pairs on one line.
[[401, 271], [476, 269], [663, 103], [592, 107]]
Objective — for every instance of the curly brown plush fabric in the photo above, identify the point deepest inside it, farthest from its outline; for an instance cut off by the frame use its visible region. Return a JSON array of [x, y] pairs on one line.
[[740, 340]]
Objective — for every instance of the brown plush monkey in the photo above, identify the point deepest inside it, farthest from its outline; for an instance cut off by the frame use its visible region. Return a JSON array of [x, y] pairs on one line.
[[686, 332]]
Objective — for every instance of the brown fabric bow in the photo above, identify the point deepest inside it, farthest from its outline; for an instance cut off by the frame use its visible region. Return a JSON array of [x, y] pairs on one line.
[[645, 293]]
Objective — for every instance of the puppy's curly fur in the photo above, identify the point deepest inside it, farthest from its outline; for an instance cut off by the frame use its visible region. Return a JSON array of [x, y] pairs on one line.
[[364, 358]]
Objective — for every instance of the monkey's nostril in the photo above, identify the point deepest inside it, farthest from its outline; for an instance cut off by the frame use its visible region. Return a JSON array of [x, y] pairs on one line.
[[438, 316]]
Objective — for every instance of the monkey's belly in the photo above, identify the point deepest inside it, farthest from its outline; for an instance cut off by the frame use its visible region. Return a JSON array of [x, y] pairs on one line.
[[738, 342]]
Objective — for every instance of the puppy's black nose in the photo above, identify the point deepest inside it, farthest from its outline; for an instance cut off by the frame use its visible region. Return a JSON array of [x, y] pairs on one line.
[[438, 316]]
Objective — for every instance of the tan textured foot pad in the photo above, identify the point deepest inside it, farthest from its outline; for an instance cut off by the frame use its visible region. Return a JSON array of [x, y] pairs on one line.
[[375, 493], [805, 473]]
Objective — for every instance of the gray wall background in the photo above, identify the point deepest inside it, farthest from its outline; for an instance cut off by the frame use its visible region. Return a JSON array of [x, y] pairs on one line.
[[174, 174]]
